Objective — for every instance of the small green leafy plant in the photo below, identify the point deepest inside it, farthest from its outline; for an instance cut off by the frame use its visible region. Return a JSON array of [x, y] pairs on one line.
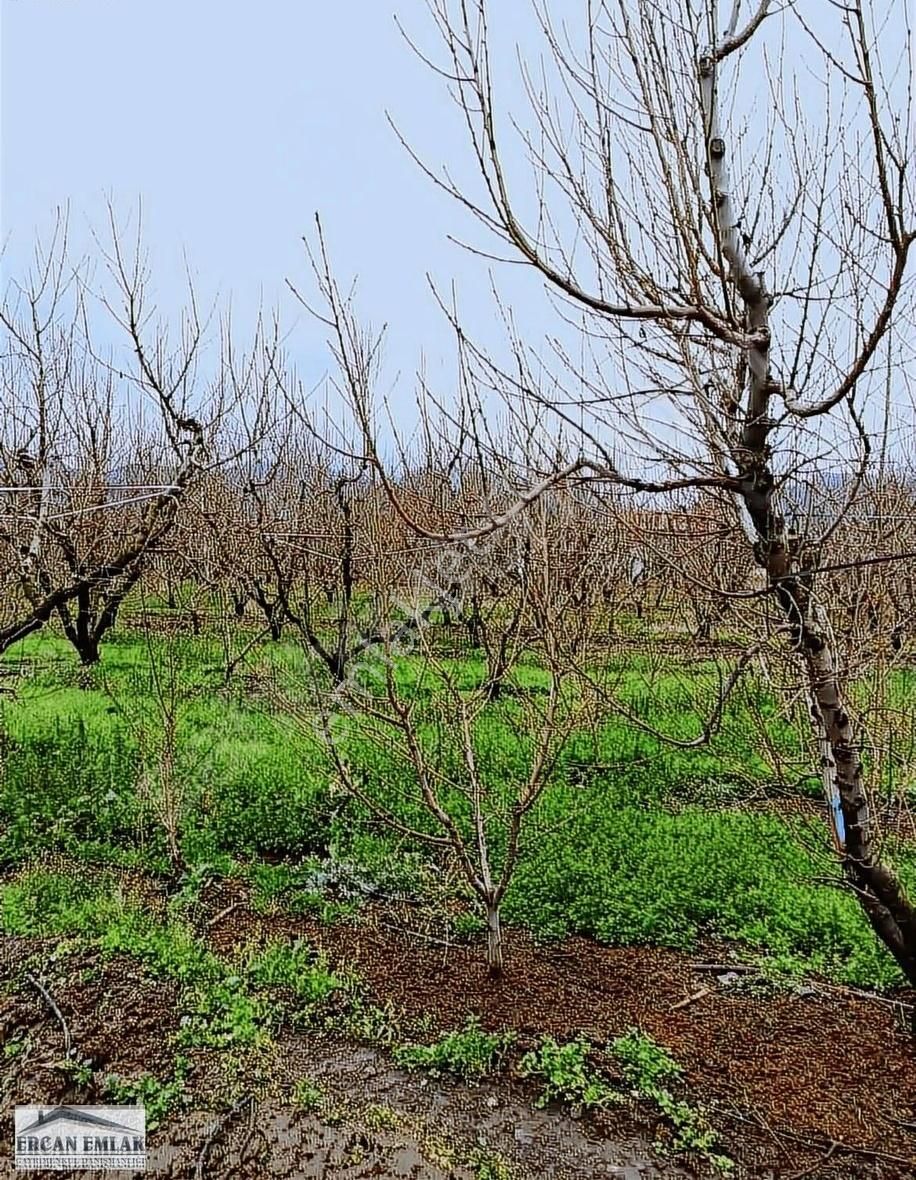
[[307, 1096], [469, 1052], [650, 1070], [297, 967], [487, 1165], [645, 1064], [468, 925], [80, 1070], [379, 1117], [379, 1025], [225, 1014], [566, 1074], [158, 1096]]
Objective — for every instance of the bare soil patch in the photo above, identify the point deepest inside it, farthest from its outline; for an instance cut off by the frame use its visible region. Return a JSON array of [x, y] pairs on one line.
[[793, 1081], [826, 1065]]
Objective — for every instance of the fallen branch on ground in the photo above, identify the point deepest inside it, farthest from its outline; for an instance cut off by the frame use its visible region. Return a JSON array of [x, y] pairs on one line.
[[49, 1000], [704, 991]]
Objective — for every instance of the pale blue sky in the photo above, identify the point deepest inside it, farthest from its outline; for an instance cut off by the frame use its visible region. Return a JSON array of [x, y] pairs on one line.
[[235, 122]]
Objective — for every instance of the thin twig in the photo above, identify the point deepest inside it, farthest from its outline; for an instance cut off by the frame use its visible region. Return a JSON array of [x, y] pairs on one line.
[[704, 991], [911, 1127], [49, 1000], [724, 968], [416, 934], [887, 1001], [823, 1143], [819, 1163], [224, 913]]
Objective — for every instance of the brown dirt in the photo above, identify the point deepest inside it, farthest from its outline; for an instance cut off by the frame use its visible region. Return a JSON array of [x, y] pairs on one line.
[[829, 1066], [100, 1001], [786, 1076], [375, 1120]]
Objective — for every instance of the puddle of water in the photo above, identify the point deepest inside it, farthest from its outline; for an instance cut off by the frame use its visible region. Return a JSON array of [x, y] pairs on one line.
[[283, 1144], [431, 1125]]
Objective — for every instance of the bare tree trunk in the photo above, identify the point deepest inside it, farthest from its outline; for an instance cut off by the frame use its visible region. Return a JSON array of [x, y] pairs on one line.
[[790, 561], [495, 964], [891, 914], [239, 601], [94, 618], [789, 565], [272, 609]]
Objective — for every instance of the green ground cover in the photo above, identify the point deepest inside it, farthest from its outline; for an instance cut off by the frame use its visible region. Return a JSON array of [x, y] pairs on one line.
[[633, 841]]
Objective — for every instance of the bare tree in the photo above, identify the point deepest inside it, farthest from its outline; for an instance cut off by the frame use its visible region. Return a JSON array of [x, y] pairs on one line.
[[740, 272], [82, 512], [449, 795]]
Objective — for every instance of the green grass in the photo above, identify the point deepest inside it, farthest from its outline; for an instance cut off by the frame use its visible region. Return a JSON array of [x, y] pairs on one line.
[[296, 967], [645, 1064], [630, 843], [46, 903], [159, 1096], [308, 1097], [566, 1074], [226, 1002], [627, 874], [71, 762], [652, 1073]]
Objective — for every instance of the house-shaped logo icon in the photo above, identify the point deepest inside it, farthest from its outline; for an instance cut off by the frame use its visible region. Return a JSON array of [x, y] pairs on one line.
[[88, 1137]]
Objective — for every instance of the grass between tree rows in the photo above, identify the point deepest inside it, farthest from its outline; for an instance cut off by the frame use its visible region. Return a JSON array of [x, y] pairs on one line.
[[634, 841]]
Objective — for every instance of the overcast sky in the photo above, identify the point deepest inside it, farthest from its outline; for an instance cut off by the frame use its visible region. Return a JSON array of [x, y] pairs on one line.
[[235, 122]]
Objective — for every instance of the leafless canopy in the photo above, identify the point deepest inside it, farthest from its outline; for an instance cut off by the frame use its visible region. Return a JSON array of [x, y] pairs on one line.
[[721, 199]]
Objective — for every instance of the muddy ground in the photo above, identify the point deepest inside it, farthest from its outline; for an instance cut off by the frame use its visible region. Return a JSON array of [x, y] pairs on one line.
[[817, 1083]]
